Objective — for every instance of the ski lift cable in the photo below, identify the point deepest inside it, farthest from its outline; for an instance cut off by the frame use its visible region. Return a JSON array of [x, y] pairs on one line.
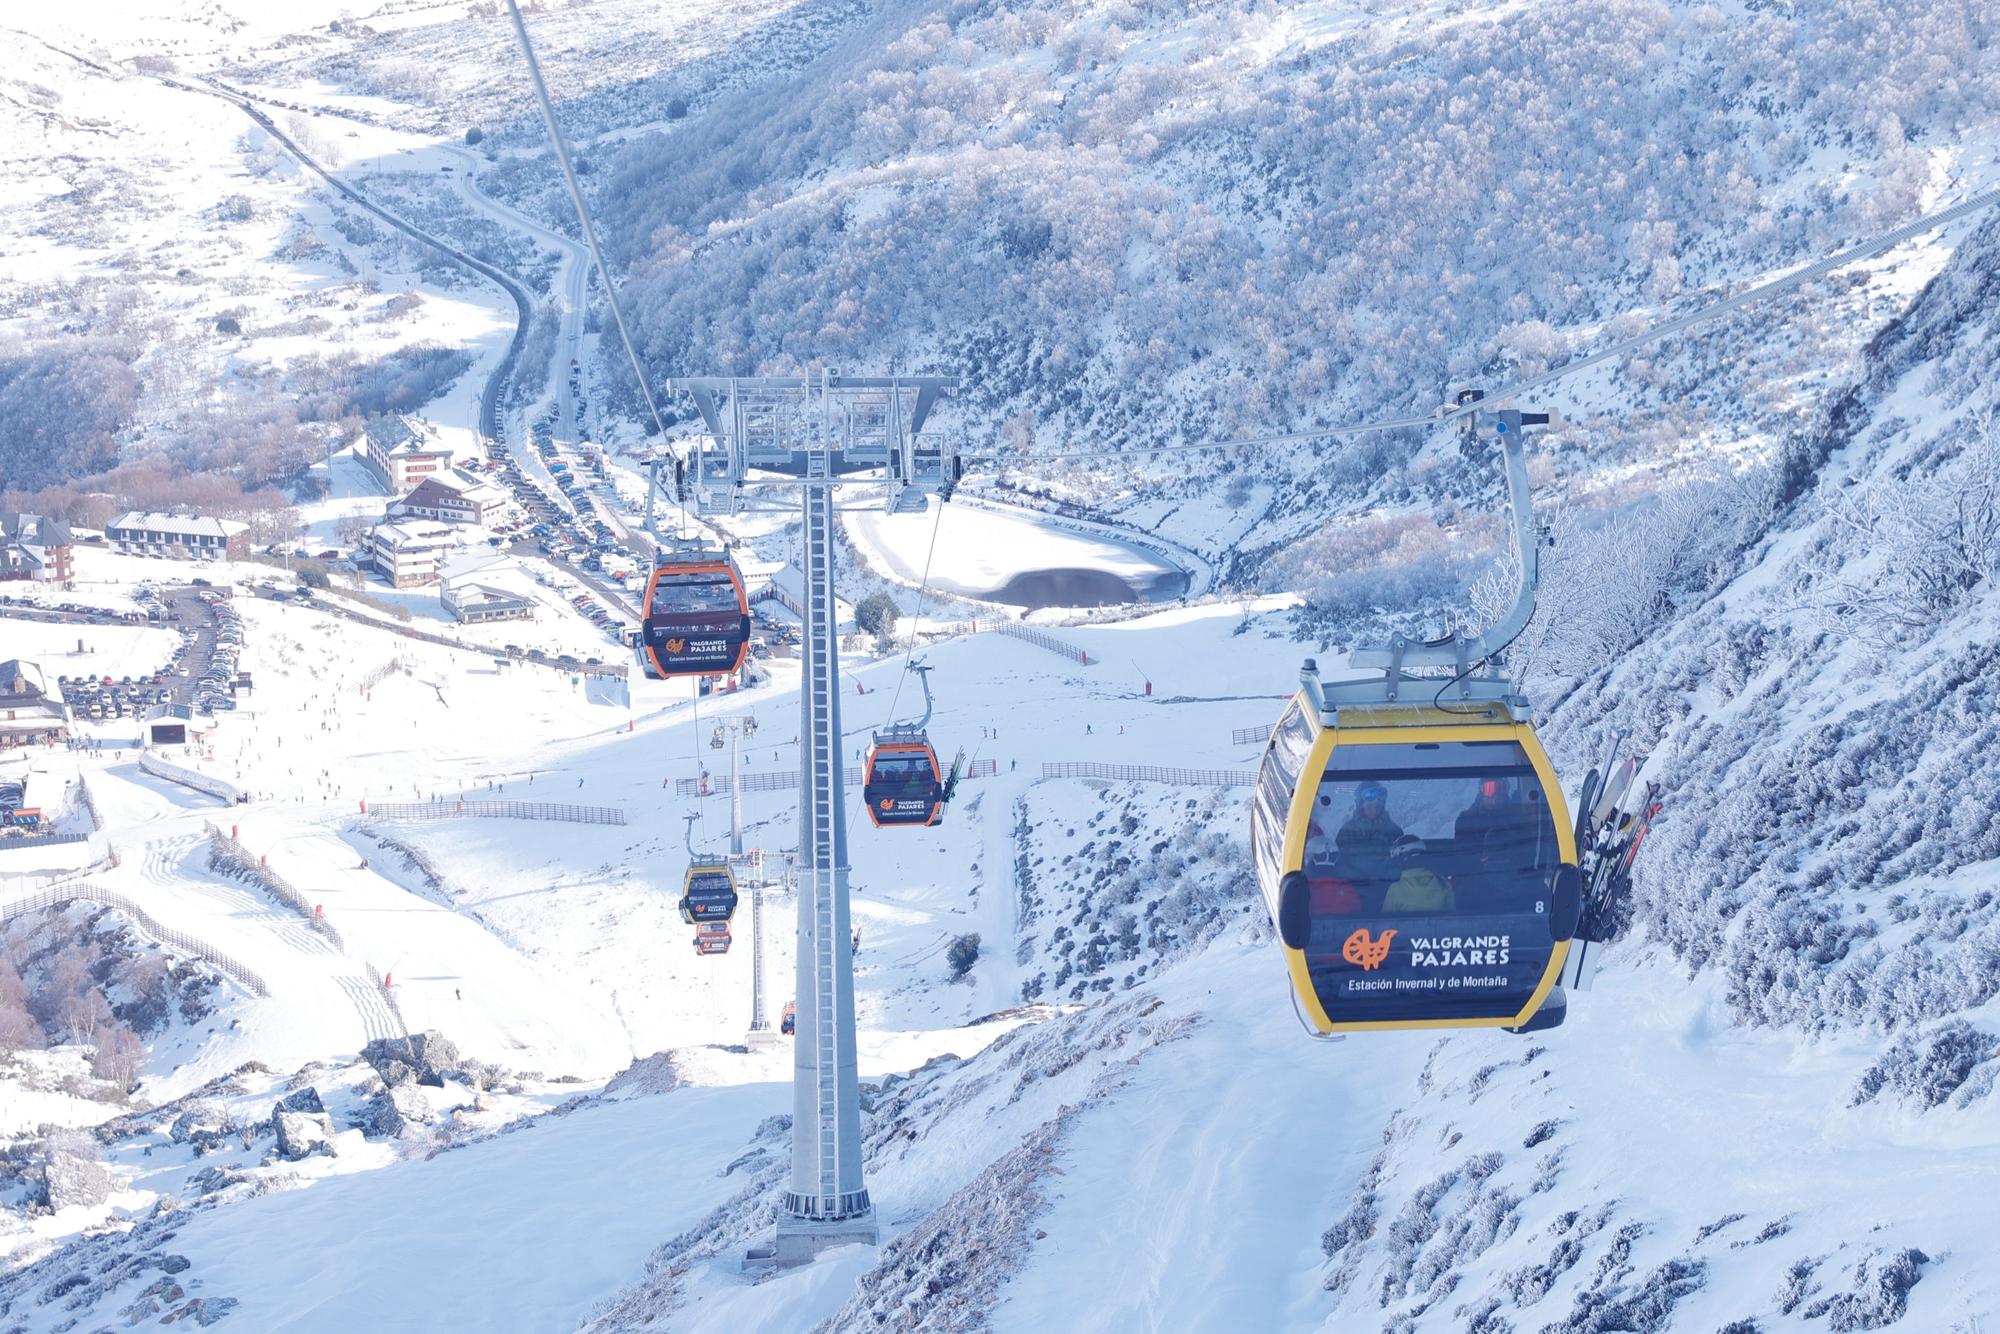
[[896, 698], [923, 597], [582, 211], [1867, 249]]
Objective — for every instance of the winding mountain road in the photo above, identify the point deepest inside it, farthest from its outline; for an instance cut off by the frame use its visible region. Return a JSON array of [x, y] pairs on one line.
[[524, 308]]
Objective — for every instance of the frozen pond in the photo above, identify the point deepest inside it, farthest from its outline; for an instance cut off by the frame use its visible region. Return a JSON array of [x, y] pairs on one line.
[[1015, 557]]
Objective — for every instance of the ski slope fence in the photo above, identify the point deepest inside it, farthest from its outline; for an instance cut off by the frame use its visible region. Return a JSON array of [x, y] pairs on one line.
[[243, 976], [377, 675], [1250, 736], [88, 800], [1040, 639], [41, 840], [375, 976], [788, 780], [1151, 773], [492, 810], [173, 773], [13, 882], [232, 858]]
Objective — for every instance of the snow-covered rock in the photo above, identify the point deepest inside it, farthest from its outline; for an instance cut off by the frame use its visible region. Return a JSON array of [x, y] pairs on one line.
[[68, 1179], [303, 1100], [394, 1110], [302, 1134], [649, 1074], [427, 1057]]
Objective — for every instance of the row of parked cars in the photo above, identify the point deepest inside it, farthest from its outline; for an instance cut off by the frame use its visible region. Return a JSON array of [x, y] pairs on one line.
[[583, 539], [99, 697], [216, 679], [105, 615], [559, 659], [599, 617]]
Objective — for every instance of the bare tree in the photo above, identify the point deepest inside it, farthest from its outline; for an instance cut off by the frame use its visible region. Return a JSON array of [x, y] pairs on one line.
[[18, 1029], [118, 1054]]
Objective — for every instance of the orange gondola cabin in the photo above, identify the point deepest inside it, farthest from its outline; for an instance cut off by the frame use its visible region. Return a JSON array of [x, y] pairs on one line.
[[697, 618], [903, 785]]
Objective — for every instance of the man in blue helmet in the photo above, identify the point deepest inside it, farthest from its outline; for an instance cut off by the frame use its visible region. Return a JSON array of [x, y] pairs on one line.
[[1365, 839]]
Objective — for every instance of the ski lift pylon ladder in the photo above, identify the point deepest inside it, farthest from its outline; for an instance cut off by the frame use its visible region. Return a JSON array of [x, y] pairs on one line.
[[813, 433]]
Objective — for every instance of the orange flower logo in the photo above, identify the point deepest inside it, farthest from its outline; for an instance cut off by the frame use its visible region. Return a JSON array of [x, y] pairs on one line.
[[888, 803], [1366, 950], [677, 645]]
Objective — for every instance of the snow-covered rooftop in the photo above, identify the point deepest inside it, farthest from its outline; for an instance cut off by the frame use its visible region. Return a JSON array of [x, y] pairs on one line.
[[187, 525]]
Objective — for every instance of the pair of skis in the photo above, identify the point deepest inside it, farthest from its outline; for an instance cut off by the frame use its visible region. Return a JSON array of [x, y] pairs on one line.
[[1612, 822], [958, 768]]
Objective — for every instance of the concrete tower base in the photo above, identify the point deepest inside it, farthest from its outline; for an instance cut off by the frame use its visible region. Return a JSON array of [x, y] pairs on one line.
[[799, 1241]]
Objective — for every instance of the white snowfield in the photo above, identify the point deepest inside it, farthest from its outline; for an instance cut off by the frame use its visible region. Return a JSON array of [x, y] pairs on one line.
[[974, 550], [1205, 1144]]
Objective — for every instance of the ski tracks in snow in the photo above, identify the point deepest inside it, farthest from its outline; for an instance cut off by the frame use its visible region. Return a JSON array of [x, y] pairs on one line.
[[176, 885]]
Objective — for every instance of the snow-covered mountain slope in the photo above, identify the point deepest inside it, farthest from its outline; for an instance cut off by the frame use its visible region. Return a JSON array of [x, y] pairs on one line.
[[1168, 1153], [1132, 223], [1774, 1111]]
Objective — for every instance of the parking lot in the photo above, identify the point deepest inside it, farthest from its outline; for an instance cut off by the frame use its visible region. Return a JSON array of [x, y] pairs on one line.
[[202, 674], [577, 531]]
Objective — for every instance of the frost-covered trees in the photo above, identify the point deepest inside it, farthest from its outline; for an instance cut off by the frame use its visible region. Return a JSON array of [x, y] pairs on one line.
[[18, 1029], [1606, 581], [63, 405], [877, 614], [1917, 544], [1067, 201]]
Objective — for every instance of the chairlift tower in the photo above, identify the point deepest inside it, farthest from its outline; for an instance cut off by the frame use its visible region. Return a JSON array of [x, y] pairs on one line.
[[751, 876], [818, 433]]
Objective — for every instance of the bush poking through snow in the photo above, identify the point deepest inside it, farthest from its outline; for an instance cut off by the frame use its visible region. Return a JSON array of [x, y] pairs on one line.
[[963, 953], [1881, 1294], [1925, 1072], [877, 614]]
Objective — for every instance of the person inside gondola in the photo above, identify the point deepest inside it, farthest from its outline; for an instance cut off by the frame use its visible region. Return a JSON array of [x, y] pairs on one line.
[[1365, 840], [905, 775], [1494, 854], [1332, 895], [1490, 810], [1418, 888]]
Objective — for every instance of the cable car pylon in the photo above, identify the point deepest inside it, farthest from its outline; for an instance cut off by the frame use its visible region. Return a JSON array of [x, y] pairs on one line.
[[818, 433]]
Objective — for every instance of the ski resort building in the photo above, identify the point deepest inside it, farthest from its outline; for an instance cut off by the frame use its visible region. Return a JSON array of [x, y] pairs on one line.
[[479, 586], [786, 586], [34, 547], [452, 497], [187, 536], [474, 603], [408, 553], [28, 716], [403, 451]]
